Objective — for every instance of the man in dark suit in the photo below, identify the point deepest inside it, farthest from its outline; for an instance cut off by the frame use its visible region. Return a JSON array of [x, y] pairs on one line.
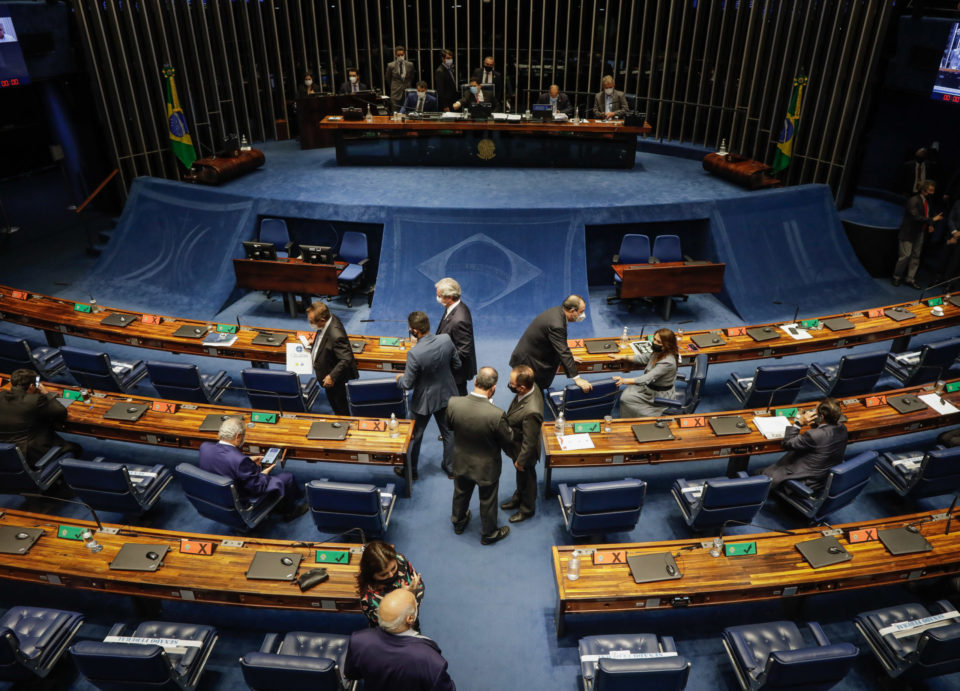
[[457, 323], [400, 76], [421, 101], [353, 84], [488, 75], [445, 81], [480, 433], [393, 656], [476, 94], [525, 416], [917, 223], [609, 103], [332, 356], [559, 101], [28, 417], [225, 458], [429, 372], [543, 345], [810, 455]]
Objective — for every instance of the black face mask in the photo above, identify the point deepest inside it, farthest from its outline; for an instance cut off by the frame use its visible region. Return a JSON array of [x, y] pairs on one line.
[[412, 334], [488, 68], [656, 347], [512, 388]]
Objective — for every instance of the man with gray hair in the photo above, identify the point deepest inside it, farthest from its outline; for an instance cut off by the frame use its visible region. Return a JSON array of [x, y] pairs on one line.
[[457, 323], [610, 103], [253, 481], [393, 656]]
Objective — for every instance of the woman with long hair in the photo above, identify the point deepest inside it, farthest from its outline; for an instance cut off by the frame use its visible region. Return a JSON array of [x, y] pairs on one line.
[[659, 374], [383, 569]]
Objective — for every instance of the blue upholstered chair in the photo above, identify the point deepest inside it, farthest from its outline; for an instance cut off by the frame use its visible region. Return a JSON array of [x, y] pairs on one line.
[[16, 475], [919, 474], [339, 506], [216, 497], [32, 640], [353, 250], [709, 503], [279, 390], [844, 483], [16, 353], [930, 652], [114, 665], [634, 249], [298, 660], [183, 382], [661, 668], [925, 365], [95, 370], [597, 508], [274, 230], [854, 374], [689, 400], [666, 248], [757, 390], [577, 405], [377, 398], [775, 656], [122, 487]]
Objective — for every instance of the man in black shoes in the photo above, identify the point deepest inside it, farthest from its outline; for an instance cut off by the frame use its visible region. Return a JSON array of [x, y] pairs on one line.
[[525, 416]]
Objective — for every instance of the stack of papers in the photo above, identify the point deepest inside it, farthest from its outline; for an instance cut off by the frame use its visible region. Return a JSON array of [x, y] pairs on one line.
[[772, 427], [795, 332], [938, 403], [575, 442]]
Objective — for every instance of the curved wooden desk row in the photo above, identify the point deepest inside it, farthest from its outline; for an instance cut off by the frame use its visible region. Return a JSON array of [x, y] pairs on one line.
[[216, 579], [775, 569], [694, 439]]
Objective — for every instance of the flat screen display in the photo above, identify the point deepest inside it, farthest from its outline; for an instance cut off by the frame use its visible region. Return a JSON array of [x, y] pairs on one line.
[[947, 86], [13, 69]]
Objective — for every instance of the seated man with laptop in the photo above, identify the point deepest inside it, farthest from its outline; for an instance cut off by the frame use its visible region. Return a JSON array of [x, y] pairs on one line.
[[559, 102]]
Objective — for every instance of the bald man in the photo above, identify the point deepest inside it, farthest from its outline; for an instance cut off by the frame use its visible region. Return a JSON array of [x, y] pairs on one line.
[[543, 345]]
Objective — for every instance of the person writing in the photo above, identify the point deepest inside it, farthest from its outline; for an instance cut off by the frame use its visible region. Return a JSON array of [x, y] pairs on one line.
[[382, 570], [659, 374]]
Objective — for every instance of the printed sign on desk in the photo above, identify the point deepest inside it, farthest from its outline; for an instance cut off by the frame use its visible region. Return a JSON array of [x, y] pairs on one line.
[[298, 359]]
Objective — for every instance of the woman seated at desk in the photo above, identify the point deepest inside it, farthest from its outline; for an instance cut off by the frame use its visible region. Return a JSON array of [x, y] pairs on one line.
[[659, 375]]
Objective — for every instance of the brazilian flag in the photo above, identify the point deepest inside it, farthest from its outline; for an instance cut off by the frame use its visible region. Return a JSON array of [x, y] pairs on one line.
[[789, 132], [180, 140]]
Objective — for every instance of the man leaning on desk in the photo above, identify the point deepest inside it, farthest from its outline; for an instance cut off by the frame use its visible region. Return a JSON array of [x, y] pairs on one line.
[[610, 103], [544, 346]]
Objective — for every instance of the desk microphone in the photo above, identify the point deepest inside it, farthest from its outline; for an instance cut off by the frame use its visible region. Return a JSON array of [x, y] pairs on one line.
[[716, 548], [70, 501], [782, 386], [796, 312], [950, 513], [643, 328], [936, 285], [399, 321]]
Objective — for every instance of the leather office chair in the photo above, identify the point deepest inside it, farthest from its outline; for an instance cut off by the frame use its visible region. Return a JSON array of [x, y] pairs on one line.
[[930, 363], [216, 497], [32, 641], [122, 487], [666, 248], [274, 230], [854, 374], [339, 506], [377, 398], [184, 382], [577, 405], [663, 670], [16, 353], [95, 370], [634, 249], [688, 402], [929, 652], [844, 483], [597, 508], [298, 660], [775, 656], [353, 250], [16, 475], [755, 391], [124, 666], [918, 474], [279, 390], [709, 503]]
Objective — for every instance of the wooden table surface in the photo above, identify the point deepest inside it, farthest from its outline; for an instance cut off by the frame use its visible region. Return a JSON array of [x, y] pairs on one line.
[[384, 122], [669, 278]]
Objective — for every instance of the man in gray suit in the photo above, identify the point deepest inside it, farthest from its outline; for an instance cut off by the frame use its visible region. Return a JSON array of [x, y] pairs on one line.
[[525, 416], [429, 372], [810, 455], [481, 432], [400, 76], [610, 103]]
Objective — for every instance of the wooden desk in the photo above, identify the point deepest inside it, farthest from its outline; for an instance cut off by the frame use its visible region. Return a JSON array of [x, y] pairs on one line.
[[776, 571], [620, 446], [312, 109], [216, 579], [664, 279], [291, 277]]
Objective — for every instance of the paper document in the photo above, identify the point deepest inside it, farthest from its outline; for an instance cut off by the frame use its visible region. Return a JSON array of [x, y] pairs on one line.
[[499, 116], [298, 359], [772, 427], [941, 405], [575, 442], [451, 116], [795, 332], [220, 340], [513, 117]]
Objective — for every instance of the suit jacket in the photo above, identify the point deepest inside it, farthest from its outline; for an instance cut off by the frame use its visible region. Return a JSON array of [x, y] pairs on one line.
[[459, 327], [480, 432], [446, 85], [429, 106], [334, 356], [526, 418], [914, 221], [810, 455], [347, 87], [387, 662], [229, 461], [28, 420], [620, 106], [397, 84], [543, 346], [429, 372], [468, 99], [563, 103], [497, 81]]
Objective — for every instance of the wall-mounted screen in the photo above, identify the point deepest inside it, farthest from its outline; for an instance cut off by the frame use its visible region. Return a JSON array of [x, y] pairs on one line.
[[13, 69], [947, 86]]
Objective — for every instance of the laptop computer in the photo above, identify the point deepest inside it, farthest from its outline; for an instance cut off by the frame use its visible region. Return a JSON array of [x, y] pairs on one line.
[[955, 300], [271, 566], [190, 331], [542, 111], [823, 551], [646, 568], [481, 111], [838, 324], [650, 432], [899, 314], [600, 347], [17, 540], [211, 423], [906, 403], [118, 319], [328, 431], [126, 412], [706, 340], [763, 333], [269, 338], [357, 346], [135, 557], [728, 425], [903, 541]]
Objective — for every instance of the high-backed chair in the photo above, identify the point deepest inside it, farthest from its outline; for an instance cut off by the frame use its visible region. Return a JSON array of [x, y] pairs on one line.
[[95, 370], [274, 230], [183, 381], [16, 353], [919, 474], [925, 365], [339, 506], [854, 374], [377, 398], [578, 405], [32, 641], [781, 382], [597, 508], [666, 248], [123, 487], [16, 475], [606, 665], [709, 503], [917, 652], [688, 402], [279, 390], [775, 656], [121, 664], [844, 483], [216, 497], [298, 660], [634, 249], [353, 250]]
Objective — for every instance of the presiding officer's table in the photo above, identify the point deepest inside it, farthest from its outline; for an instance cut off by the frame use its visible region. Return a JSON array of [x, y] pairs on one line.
[[288, 276], [664, 279], [485, 143]]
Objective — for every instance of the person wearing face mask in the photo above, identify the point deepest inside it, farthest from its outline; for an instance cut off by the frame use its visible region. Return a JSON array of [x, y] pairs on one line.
[[353, 84], [382, 570], [445, 81], [525, 416], [400, 76], [457, 323], [307, 88], [659, 375], [609, 102], [489, 77], [557, 100], [544, 347], [420, 101], [475, 93]]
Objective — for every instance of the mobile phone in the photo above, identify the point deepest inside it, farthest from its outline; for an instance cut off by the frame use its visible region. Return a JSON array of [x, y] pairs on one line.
[[271, 456], [36, 381]]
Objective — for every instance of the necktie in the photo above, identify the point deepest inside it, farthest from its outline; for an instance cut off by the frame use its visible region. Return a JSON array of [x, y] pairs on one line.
[[355, 88], [420, 104], [479, 95]]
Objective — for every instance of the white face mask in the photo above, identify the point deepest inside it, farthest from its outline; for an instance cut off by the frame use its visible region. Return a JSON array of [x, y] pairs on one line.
[[448, 62], [440, 299], [581, 317], [353, 80], [308, 82], [399, 58], [608, 91], [473, 90]]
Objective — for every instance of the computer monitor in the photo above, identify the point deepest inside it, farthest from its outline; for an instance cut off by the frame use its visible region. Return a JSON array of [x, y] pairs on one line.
[[259, 250], [316, 254], [542, 111], [481, 111]]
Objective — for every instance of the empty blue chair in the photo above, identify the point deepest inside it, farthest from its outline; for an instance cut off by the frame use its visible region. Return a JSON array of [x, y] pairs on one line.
[[353, 250], [339, 506], [597, 508], [634, 249], [95, 370], [853, 375], [577, 405], [216, 497], [377, 398], [16, 353], [121, 664], [687, 403], [16, 475], [930, 363], [918, 474], [605, 663], [298, 660], [32, 641], [274, 230], [844, 483], [774, 655], [123, 487], [666, 248], [184, 382], [279, 390], [766, 382], [709, 503]]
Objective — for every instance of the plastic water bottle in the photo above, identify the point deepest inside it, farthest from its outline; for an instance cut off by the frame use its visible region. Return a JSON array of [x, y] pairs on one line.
[[559, 424], [624, 339], [573, 566], [244, 145], [394, 426], [723, 147], [90, 542], [369, 114]]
